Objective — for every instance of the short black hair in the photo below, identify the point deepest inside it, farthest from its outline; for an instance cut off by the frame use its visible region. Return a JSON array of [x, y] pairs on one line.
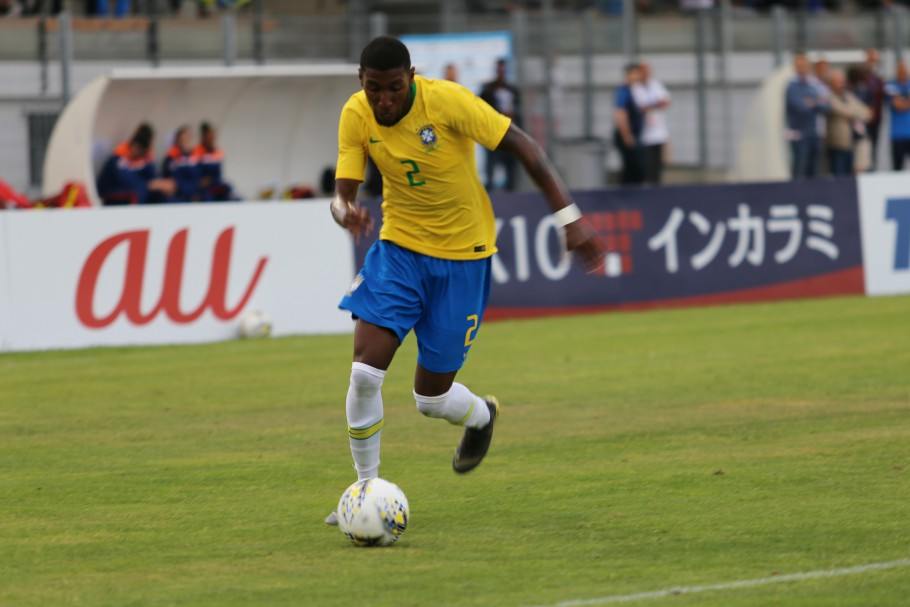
[[143, 136], [631, 66], [204, 128], [385, 53], [180, 131]]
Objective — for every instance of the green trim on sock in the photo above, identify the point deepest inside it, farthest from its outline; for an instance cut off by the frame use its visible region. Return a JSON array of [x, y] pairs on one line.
[[365, 433], [468, 414]]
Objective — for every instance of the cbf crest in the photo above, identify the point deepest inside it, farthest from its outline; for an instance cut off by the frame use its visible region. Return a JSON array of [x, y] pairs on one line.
[[428, 138]]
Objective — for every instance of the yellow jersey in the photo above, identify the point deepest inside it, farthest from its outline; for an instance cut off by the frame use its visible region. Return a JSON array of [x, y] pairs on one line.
[[433, 201]]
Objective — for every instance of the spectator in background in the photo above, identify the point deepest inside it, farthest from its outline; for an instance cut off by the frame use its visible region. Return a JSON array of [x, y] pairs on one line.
[[10, 8], [628, 121], [210, 160], [871, 91], [898, 93], [182, 166], [121, 8], [862, 149], [652, 98], [820, 70], [505, 99], [205, 6], [37, 7], [806, 103], [129, 177], [845, 126], [450, 72]]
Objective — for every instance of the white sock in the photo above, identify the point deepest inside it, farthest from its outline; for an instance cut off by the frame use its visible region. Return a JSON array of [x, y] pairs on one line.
[[457, 406], [364, 413]]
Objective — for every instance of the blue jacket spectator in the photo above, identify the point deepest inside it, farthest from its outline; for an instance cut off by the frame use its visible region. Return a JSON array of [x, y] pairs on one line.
[[210, 159], [129, 176], [181, 165], [898, 93], [806, 104], [628, 120]]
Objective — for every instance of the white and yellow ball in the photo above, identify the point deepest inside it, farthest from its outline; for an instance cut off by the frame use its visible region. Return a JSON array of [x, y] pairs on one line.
[[255, 324], [373, 512]]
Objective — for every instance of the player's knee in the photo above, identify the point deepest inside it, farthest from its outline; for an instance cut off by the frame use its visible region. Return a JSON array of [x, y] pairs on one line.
[[431, 406], [366, 380]]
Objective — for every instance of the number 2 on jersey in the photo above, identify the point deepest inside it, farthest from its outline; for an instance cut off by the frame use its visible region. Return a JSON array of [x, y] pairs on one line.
[[414, 170]]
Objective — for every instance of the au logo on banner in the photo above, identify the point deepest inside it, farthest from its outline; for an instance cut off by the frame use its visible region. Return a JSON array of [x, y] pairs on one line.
[[130, 301]]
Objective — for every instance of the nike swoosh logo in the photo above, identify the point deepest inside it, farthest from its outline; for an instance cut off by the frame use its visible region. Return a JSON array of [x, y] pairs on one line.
[[375, 140]]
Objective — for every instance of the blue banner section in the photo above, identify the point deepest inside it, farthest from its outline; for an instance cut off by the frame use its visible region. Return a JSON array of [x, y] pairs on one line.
[[670, 244]]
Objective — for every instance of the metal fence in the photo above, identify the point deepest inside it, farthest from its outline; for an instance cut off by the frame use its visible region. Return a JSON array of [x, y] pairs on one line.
[[589, 41], [255, 35]]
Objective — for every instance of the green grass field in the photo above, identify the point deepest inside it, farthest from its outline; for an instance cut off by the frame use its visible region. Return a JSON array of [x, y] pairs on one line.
[[636, 452]]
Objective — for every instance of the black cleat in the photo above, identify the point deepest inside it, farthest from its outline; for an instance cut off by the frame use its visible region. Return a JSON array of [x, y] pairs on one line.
[[475, 442]]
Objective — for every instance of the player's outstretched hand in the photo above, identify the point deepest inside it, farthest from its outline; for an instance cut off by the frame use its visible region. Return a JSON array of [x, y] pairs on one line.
[[588, 244], [353, 218]]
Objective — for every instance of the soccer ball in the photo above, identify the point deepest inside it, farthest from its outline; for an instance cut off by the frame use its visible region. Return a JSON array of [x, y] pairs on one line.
[[373, 512], [256, 324]]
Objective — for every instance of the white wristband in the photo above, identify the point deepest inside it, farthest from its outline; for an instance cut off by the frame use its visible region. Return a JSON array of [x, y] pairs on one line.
[[567, 215]]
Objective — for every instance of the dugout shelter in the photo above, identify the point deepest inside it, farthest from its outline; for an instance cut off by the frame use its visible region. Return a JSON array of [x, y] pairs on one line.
[[278, 125]]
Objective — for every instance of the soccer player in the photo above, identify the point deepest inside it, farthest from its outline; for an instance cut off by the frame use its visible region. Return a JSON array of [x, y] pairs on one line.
[[430, 269]]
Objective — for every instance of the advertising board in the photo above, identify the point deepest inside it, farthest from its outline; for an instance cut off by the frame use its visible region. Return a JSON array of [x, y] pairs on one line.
[[177, 274], [884, 201]]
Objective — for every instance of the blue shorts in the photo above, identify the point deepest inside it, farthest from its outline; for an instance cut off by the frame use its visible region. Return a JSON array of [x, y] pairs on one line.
[[443, 300]]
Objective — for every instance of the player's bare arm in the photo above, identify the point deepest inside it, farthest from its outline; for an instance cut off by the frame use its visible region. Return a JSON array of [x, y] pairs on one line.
[[347, 213], [580, 236]]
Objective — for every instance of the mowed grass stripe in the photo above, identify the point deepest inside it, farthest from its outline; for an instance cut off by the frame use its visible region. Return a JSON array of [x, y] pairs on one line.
[[635, 449]]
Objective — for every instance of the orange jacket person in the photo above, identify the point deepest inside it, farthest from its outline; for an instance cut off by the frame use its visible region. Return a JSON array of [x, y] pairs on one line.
[[181, 165], [210, 158], [129, 176]]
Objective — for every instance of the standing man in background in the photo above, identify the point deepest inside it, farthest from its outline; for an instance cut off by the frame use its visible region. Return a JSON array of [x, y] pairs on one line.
[[628, 122], [845, 124], [872, 92], [505, 99], [806, 105], [430, 270], [652, 98], [898, 93], [450, 72]]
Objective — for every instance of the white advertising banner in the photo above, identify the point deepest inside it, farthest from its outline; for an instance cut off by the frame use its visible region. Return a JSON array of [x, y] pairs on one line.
[[884, 213], [5, 301], [170, 274]]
